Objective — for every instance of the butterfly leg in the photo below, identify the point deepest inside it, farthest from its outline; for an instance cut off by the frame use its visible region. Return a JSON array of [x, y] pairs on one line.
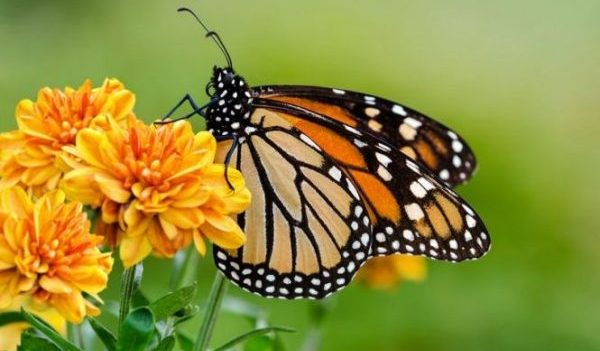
[[230, 152], [190, 100]]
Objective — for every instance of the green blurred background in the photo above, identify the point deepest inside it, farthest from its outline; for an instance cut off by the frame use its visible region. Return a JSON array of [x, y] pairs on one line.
[[518, 79]]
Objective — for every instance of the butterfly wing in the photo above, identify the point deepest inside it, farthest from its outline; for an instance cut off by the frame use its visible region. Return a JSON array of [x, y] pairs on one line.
[[419, 137], [410, 210], [307, 232]]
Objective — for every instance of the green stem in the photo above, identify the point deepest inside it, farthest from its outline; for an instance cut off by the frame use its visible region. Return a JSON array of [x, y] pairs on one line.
[[213, 306], [128, 288], [73, 334], [185, 268]]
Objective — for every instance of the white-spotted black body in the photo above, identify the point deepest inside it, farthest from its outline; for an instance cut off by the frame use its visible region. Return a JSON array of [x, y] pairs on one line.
[[230, 108]]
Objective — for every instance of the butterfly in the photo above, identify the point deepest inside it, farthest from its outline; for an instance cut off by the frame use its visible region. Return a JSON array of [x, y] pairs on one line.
[[336, 177]]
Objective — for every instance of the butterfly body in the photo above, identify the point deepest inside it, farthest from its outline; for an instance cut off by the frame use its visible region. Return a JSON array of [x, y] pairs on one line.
[[229, 113], [336, 177]]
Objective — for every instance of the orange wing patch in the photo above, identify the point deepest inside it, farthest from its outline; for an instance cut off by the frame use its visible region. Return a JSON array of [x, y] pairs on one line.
[[380, 197], [332, 111], [438, 143], [332, 143], [451, 212], [427, 154]]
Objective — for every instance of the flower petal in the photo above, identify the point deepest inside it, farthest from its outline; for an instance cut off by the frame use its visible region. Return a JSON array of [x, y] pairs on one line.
[[88, 143], [111, 187], [199, 242], [186, 218], [134, 249], [80, 185], [55, 285], [227, 240]]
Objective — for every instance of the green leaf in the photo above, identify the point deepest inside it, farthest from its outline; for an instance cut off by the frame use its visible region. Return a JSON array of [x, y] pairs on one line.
[[173, 302], [11, 317], [139, 299], [166, 344], [252, 334], [137, 330], [45, 329], [184, 314], [30, 341], [105, 335], [185, 343]]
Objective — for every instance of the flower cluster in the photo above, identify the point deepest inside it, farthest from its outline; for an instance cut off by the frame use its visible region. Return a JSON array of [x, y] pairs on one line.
[[29, 156], [47, 252], [157, 189], [157, 186]]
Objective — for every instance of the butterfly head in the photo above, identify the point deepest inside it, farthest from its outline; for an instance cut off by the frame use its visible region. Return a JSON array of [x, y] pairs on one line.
[[231, 96]]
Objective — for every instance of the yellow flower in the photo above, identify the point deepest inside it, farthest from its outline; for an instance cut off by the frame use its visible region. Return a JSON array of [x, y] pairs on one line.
[[10, 335], [46, 251], [157, 187], [387, 272], [28, 156]]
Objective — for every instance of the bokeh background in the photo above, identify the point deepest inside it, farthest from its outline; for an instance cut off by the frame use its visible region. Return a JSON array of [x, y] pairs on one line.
[[519, 79]]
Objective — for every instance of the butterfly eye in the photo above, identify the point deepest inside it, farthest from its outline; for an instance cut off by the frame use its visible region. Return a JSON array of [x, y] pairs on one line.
[[210, 89]]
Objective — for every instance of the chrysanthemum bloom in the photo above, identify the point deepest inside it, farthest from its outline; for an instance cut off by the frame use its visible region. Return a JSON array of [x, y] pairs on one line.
[[157, 187], [47, 252], [28, 156], [10, 335], [385, 273]]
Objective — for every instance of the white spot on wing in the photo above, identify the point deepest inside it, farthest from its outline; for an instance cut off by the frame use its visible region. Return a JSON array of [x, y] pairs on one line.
[[417, 189], [456, 161], [360, 143], [352, 189], [351, 129], [457, 146], [335, 173], [399, 110], [384, 173], [412, 122], [426, 184], [383, 159], [408, 235], [309, 141], [470, 221], [414, 211]]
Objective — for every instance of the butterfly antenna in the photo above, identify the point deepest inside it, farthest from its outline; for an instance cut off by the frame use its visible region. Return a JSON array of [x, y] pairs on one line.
[[210, 34]]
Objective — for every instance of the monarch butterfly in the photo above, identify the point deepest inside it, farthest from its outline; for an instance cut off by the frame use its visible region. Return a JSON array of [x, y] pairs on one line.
[[337, 177]]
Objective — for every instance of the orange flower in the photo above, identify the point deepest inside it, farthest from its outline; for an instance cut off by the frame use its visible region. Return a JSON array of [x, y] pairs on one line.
[[46, 251], [10, 335], [28, 156], [157, 187], [387, 272]]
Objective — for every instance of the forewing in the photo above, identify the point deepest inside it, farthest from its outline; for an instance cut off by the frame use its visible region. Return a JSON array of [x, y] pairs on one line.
[[411, 211], [419, 137]]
